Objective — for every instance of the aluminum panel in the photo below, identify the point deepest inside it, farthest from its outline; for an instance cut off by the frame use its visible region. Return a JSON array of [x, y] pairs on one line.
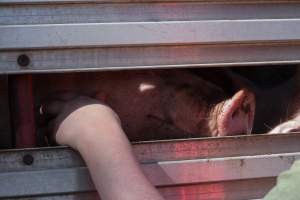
[[14, 2], [164, 173], [148, 33], [143, 12], [183, 163]]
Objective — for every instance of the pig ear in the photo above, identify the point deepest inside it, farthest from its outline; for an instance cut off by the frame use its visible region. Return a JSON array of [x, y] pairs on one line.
[[237, 114]]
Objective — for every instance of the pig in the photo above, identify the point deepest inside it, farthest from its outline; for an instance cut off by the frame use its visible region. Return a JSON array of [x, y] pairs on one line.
[[291, 120], [290, 126], [160, 104], [277, 94]]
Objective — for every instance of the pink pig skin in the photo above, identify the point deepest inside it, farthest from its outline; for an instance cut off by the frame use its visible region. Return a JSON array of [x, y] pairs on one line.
[[159, 104]]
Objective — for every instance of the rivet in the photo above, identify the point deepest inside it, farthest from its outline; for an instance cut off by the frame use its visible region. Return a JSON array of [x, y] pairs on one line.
[[23, 60], [28, 159]]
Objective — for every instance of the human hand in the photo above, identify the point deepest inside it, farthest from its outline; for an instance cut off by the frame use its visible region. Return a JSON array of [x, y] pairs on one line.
[[77, 118]]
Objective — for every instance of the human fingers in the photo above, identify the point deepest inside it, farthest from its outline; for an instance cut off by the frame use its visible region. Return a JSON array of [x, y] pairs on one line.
[[66, 95], [51, 131], [52, 109]]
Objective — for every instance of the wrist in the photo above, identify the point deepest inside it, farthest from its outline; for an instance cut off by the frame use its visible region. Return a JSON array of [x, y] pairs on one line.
[[86, 122], [94, 134]]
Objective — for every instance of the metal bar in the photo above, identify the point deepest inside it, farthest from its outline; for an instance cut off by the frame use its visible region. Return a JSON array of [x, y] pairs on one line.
[[148, 33], [217, 147], [218, 169], [14, 2], [149, 57], [233, 190], [255, 33], [212, 167], [165, 173], [144, 12], [23, 111], [152, 152]]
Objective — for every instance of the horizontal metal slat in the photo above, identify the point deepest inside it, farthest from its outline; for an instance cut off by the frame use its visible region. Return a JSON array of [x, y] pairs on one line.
[[79, 35], [216, 163], [92, 59], [163, 173], [148, 33], [144, 12], [152, 152], [232, 190], [14, 2], [217, 147], [236, 190]]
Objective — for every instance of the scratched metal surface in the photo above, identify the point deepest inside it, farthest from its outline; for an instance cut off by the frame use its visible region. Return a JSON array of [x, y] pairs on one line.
[[234, 190], [78, 35], [148, 33], [97, 59], [182, 173], [14, 2], [66, 13]]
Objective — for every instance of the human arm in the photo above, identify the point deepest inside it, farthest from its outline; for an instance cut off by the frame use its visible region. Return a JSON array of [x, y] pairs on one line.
[[95, 131]]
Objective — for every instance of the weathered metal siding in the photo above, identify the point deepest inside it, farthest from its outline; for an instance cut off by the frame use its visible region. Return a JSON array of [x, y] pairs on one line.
[[79, 35], [185, 169]]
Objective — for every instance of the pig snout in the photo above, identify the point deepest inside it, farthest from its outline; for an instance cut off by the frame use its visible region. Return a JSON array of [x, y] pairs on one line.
[[236, 115]]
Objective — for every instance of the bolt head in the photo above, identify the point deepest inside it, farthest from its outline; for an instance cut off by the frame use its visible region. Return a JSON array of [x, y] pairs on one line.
[[23, 60], [28, 159]]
